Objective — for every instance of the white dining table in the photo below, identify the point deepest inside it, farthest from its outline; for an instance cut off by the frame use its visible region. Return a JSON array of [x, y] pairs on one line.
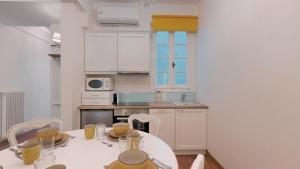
[[80, 153]]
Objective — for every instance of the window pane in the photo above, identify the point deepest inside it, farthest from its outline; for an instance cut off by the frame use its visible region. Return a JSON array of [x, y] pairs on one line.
[[162, 51], [162, 79], [180, 79], [162, 65], [180, 65], [180, 51], [180, 37], [162, 38]]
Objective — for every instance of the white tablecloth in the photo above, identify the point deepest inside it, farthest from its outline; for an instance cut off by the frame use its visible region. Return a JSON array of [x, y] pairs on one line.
[[92, 154]]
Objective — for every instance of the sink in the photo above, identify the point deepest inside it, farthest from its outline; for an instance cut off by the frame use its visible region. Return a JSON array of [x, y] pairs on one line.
[[186, 104]]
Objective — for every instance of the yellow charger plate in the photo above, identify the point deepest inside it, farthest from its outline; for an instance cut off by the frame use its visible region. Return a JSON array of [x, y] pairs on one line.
[[65, 137], [116, 165], [112, 134]]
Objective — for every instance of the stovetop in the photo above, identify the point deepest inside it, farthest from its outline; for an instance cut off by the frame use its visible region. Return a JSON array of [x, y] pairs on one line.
[[133, 104]]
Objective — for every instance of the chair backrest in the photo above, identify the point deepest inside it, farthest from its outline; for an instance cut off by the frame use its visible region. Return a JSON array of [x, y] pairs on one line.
[[199, 162], [46, 121], [143, 117], [33, 124]]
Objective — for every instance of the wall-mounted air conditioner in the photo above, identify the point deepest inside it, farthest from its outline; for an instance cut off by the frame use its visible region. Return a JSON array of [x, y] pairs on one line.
[[118, 15]]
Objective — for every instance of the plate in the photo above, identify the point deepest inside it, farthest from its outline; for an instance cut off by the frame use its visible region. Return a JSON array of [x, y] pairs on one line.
[[116, 165], [65, 137], [58, 137], [112, 134]]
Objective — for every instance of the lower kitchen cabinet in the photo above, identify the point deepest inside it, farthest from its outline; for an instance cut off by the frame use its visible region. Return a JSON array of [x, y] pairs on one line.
[[182, 129], [167, 128], [190, 129]]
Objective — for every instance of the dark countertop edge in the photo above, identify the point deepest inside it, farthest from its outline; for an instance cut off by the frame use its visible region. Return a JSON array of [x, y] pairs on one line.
[[141, 107]]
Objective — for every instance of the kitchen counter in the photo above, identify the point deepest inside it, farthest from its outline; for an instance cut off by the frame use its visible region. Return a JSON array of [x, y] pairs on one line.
[[150, 106]]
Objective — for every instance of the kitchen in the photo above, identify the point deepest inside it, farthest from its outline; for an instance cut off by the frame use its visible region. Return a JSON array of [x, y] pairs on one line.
[[226, 84], [120, 57]]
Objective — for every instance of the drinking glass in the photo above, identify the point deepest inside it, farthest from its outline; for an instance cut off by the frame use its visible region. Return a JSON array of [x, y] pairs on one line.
[[47, 145], [100, 131], [123, 143], [89, 131], [142, 144], [44, 162]]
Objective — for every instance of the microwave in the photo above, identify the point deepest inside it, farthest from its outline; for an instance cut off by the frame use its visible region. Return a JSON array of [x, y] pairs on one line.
[[98, 84]]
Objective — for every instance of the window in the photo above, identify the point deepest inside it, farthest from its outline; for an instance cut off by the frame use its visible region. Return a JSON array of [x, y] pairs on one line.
[[171, 59]]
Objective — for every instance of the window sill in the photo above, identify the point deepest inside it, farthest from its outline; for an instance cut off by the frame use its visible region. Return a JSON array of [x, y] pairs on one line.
[[179, 89]]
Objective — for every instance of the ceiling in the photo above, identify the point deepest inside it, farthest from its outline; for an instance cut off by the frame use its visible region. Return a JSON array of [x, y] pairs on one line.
[[46, 12], [30, 13]]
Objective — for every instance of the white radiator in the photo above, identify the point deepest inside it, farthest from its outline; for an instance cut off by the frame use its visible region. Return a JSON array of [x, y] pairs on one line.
[[11, 110]]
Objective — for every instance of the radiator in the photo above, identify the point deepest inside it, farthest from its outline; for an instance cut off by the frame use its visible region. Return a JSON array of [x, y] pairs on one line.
[[11, 110]]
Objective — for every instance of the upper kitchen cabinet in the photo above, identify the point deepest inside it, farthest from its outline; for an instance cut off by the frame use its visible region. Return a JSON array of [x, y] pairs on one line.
[[133, 52], [101, 52]]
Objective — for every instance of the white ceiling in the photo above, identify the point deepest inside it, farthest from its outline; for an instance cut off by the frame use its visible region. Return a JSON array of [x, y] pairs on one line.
[[30, 13], [46, 12]]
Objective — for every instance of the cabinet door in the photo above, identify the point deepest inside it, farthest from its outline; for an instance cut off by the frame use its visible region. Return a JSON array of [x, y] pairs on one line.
[[101, 52], [190, 129], [167, 128], [133, 52]]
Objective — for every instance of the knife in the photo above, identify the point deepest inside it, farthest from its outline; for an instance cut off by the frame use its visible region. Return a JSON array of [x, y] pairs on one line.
[[159, 163]]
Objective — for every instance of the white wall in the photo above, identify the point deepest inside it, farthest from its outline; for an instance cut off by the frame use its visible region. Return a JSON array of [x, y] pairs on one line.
[[25, 65], [146, 14], [72, 62], [249, 76], [72, 71], [141, 82]]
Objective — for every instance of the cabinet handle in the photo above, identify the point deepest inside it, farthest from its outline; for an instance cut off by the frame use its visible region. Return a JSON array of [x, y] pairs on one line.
[[122, 118]]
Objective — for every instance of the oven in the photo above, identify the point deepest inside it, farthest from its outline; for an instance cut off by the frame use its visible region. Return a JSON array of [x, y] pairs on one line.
[[121, 115]]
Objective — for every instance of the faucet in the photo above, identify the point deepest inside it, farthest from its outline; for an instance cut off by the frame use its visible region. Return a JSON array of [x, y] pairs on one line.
[[183, 96]]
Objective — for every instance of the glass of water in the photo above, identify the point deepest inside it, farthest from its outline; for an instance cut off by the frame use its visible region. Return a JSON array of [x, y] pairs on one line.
[[44, 162], [123, 144], [100, 131], [47, 145]]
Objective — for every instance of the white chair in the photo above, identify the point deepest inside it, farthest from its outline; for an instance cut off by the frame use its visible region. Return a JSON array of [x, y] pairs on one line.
[[199, 162], [142, 117], [33, 124]]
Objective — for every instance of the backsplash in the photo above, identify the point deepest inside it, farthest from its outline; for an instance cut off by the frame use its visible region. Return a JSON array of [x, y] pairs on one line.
[[152, 97]]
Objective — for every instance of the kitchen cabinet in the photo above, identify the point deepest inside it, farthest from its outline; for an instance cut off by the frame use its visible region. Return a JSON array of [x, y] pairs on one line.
[[190, 129], [167, 128], [100, 52], [133, 52], [183, 130]]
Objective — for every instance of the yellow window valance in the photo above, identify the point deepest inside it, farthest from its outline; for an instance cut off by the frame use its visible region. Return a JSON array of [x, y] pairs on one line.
[[174, 23]]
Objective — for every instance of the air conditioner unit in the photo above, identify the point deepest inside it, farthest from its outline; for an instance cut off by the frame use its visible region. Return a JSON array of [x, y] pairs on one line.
[[118, 15]]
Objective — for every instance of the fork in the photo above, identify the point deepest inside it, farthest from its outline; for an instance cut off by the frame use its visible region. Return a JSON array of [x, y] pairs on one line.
[[108, 144]]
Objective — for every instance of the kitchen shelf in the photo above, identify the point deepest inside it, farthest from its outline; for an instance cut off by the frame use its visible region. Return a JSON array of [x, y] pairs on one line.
[[54, 55]]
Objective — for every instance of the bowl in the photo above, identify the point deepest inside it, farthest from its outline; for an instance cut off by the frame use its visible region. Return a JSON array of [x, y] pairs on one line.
[[120, 128], [47, 132], [133, 159]]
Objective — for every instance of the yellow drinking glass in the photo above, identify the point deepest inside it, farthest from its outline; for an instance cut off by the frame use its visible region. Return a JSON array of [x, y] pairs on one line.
[[30, 151], [89, 131]]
